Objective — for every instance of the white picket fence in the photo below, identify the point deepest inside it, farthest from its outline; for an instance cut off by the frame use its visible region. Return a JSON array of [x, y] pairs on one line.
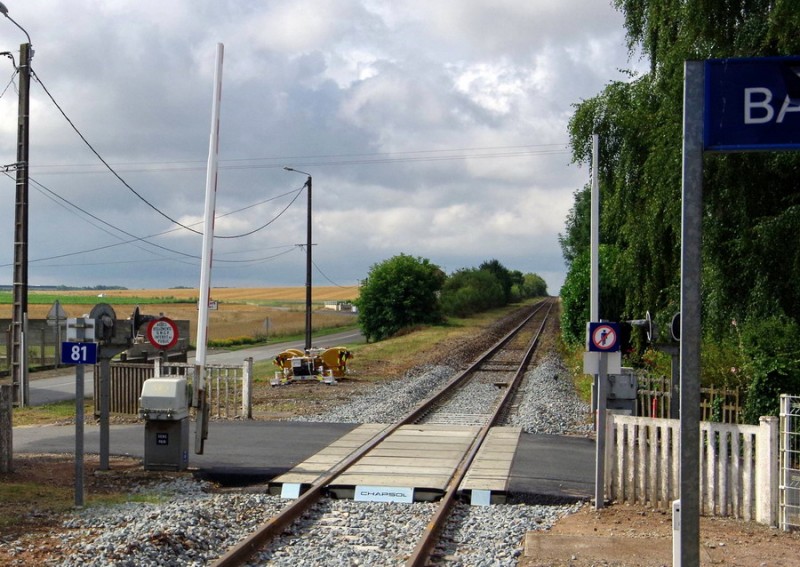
[[228, 387], [738, 466]]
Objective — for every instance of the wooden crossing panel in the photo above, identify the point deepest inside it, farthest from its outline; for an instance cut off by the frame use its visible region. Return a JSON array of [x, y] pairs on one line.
[[315, 466], [492, 465], [421, 457], [415, 456]]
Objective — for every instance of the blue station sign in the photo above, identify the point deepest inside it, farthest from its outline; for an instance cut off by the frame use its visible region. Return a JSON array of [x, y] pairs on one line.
[[752, 104]]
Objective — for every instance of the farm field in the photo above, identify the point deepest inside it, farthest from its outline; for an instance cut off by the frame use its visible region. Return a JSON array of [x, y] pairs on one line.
[[242, 312]]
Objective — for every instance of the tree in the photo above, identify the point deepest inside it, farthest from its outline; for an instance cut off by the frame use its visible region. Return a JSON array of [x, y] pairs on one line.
[[533, 285], [469, 291], [575, 294], [399, 292], [503, 276]]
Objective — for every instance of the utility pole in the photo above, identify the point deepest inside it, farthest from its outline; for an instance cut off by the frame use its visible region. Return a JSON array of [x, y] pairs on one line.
[[308, 258], [308, 268], [19, 319]]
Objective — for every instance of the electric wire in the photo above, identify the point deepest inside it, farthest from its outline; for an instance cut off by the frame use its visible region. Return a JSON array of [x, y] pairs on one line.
[[381, 158], [57, 199], [125, 183], [10, 82], [61, 201], [265, 225], [105, 163], [64, 203], [324, 275]]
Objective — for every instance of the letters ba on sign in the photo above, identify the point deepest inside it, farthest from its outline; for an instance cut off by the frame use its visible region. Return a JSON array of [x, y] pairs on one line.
[[752, 104]]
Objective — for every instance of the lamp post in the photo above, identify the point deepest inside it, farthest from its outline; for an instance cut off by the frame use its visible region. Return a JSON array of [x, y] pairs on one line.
[[308, 258], [19, 356]]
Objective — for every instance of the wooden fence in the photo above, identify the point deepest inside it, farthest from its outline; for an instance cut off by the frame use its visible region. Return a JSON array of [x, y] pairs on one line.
[[738, 465], [716, 404], [228, 388]]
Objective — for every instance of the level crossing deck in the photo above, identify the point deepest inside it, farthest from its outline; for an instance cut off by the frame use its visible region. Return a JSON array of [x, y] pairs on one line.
[[416, 460]]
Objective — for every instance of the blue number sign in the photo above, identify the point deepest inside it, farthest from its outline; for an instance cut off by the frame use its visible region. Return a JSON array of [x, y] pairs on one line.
[[78, 353]]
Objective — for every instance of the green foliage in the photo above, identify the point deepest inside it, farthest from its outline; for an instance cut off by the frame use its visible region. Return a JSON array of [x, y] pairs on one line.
[[502, 275], [576, 238], [770, 347], [533, 285], [398, 293], [469, 291], [575, 294]]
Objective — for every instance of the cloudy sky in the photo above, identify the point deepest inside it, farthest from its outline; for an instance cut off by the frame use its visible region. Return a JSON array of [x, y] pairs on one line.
[[433, 128]]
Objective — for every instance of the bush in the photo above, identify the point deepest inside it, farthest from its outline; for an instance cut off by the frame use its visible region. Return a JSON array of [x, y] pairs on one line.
[[471, 291], [772, 358], [399, 292]]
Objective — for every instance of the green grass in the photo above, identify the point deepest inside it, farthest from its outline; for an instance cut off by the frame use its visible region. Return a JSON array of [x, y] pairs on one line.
[[239, 343], [50, 413], [50, 498], [53, 499], [7, 298]]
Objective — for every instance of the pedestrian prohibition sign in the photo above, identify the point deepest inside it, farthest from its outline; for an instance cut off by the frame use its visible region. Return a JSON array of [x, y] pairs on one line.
[[162, 333], [603, 337]]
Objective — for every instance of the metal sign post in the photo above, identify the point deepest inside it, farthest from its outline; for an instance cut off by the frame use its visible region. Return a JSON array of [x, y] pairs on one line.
[[729, 105], [602, 340], [691, 224], [78, 352]]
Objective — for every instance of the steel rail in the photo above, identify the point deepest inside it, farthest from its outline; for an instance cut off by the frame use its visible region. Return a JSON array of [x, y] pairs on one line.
[[422, 552], [241, 552]]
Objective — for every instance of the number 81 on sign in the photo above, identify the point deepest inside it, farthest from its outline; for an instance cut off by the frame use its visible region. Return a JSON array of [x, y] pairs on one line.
[[78, 353]]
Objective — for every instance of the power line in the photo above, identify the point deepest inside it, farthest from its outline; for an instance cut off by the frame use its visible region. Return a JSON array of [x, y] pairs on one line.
[[111, 169], [63, 202], [265, 225], [331, 159], [261, 260], [324, 275], [11, 80], [125, 183]]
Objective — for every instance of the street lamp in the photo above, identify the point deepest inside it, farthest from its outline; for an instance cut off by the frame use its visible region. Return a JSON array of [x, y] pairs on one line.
[[19, 356], [308, 258]]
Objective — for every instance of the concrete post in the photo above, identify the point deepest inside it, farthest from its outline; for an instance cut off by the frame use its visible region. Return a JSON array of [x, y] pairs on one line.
[[247, 388], [767, 471]]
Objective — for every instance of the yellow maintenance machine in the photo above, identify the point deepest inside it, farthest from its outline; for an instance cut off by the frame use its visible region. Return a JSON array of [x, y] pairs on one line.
[[321, 365]]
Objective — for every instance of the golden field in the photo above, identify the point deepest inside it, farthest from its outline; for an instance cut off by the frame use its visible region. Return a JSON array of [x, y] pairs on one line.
[[232, 294], [242, 312]]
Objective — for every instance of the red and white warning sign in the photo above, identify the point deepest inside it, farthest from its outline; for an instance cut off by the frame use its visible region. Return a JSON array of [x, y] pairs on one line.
[[162, 333], [603, 337]]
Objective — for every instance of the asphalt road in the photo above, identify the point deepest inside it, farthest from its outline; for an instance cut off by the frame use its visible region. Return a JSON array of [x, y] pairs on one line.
[[60, 388], [245, 452]]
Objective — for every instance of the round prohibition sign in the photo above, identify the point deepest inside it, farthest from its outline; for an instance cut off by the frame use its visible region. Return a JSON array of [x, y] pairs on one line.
[[162, 333], [604, 337]]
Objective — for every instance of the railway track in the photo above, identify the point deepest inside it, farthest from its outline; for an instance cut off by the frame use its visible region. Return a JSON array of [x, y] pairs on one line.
[[494, 375]]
